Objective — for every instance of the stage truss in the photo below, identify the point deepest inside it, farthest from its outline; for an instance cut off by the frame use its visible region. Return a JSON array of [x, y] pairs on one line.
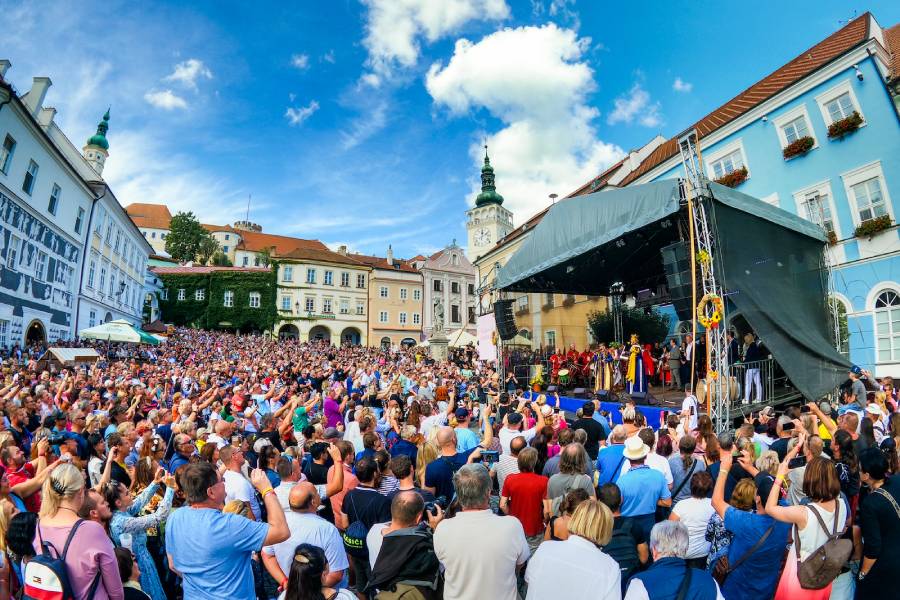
[[703, 243]]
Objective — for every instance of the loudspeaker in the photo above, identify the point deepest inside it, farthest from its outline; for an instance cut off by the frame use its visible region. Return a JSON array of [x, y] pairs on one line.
[[552, 388], [643, 398], [579, 393], [503, 318], [677, 267]]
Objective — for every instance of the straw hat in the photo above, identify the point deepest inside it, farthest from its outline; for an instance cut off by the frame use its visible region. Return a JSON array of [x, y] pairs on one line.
[[635, 449]]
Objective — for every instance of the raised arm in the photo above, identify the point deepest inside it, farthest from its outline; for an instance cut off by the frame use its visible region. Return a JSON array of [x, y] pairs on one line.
[[718, 497], [795, 515]]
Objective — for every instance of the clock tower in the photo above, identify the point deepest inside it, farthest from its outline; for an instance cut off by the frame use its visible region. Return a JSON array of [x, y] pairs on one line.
[[487, 221]]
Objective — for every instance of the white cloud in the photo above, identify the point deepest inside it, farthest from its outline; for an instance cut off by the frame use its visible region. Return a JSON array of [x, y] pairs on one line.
[[534, 80], [188, 72], [635, 106], [300, 61], [394, 27], [165, 99], [682, 86], [296, 116], [369, 122], [328, 57]]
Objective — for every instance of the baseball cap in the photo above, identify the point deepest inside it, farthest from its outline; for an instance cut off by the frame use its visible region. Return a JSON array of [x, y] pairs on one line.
[[875, 410], [462, 413], [514, 418], [856, 370], [768, 411], [546, 410], [332, 433], [261, 443], [764, 483]]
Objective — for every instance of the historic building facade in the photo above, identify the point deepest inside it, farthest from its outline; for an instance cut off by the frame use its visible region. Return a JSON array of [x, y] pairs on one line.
[[449, 276], [488, 221], [396, 306]]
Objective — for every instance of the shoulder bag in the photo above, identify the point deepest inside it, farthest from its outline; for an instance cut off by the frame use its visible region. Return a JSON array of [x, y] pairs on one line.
[[822, 566], [723, 569]]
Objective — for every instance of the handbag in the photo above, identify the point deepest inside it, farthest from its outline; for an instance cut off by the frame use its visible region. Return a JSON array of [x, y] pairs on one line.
[[722, 569], [822, 566]]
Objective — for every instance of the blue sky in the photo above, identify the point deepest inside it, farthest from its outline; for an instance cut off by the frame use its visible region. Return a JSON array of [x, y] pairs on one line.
[[361, 121]]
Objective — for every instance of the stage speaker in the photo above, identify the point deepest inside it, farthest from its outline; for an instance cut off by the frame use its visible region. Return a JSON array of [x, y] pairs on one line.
[[677, 267], [643, 398], [579, 393], [504, 319], [552, 388]]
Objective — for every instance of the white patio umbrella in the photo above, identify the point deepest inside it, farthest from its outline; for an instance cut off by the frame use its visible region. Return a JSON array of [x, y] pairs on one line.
[[461, 337], [118, 331]]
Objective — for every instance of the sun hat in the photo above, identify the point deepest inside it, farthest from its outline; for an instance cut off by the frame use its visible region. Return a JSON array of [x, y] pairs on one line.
[[546, 410], [635, 449]]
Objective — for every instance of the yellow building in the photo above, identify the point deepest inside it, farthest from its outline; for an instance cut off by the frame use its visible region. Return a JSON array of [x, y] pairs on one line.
[[396, 311]]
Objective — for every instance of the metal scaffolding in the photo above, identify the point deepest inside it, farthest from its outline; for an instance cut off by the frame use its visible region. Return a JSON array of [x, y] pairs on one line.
[[703, 254]]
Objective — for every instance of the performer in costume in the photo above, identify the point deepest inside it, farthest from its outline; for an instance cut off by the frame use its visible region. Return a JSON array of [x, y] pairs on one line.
[[585, 360], [556, 362], [636, 375], [603, 367], [649, 363]]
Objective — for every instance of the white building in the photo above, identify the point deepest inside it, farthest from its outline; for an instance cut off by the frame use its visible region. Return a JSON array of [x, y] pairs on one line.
[[449, 275], [44, 211]]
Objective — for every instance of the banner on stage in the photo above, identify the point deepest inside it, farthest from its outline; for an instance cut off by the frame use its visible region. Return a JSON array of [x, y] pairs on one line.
[[487, 332]]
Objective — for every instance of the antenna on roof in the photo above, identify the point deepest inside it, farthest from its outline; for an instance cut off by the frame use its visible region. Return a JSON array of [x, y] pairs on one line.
[[249, 196], [845, 21]]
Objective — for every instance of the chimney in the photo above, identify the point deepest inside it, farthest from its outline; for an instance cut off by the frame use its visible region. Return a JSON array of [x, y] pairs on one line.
[[342, 249], [390, 255], [46, 116], [34, 99], [4, 67]]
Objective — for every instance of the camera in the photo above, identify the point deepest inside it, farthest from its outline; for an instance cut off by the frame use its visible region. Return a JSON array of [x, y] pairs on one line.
[[489, 457], [55, 439], [439, 501]]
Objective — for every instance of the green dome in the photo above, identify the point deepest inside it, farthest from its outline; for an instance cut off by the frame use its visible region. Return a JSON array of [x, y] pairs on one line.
[[488, 193], [99, 138]]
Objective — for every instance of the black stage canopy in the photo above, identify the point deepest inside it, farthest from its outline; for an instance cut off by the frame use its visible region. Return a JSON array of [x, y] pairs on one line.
[[768, 261]]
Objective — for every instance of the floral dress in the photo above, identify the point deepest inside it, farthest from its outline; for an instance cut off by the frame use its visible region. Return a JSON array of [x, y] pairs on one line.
[[127, 522]]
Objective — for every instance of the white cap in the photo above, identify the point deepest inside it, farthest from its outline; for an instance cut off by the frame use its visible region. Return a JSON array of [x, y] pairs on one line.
[[875, 410]]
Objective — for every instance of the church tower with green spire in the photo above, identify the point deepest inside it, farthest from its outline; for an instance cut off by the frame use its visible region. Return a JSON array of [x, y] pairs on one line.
[[487, 221], [96, 151]]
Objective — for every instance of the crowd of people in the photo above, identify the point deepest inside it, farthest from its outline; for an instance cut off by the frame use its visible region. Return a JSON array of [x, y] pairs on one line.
[[219, 466]]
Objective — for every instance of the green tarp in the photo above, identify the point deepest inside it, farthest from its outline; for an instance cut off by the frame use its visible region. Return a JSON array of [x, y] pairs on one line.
[[769, 261]]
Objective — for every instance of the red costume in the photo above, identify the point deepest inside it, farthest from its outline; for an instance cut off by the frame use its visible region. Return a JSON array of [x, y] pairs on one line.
[[584, 360], [649, 363], [556, 362]]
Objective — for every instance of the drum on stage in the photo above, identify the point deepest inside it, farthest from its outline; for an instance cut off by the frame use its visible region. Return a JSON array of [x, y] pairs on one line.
[[563, 377]]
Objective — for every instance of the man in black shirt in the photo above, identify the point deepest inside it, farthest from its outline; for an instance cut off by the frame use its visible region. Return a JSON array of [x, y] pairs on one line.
[[592, 428], [366, 505], [316, 470]]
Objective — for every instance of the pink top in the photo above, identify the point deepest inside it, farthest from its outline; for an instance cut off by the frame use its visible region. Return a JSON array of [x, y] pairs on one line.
[[90, 550]]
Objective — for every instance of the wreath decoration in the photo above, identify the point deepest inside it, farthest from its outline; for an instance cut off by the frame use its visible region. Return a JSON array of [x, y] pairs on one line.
[[712, 321]]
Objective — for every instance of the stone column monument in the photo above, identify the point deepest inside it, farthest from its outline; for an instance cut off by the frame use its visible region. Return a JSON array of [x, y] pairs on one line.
[[438, 341]]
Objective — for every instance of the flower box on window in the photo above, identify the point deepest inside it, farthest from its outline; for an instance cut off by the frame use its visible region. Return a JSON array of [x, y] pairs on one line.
[[735, 178], [522, 310], [569, 300], [798, 147], [832, 238], [847, 125], [869, 228]]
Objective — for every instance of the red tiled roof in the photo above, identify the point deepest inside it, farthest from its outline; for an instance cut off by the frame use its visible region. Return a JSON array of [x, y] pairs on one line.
[[600, 180], [202, 269], [253, 241], [892, 38], [151, 216], [379, 262], [851, 35], [320, 254]]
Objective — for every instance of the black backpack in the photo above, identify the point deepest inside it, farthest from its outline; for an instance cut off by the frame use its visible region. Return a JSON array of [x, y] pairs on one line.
[[622, 547]]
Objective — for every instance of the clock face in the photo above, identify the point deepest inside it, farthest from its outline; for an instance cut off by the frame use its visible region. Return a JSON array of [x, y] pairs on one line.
[[482, 237]]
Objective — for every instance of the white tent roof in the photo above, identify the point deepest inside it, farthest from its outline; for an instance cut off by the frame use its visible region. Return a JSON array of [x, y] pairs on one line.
[[71, 355], [461, 337]]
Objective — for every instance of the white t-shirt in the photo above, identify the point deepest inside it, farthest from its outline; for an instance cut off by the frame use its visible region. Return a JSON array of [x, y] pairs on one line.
[[309, 529], [655, 462], [508, 435], [686, 405], [429, 423], [480, 551], [238, 488], [374, 539], [574, 569], [694, 513]]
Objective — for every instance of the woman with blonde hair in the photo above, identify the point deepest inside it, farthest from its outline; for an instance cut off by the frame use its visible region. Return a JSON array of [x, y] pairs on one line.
[[90, 560], [428, 452], [576, 568]]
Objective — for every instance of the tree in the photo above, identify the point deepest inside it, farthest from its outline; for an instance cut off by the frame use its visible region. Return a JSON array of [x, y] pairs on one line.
[[208, 248], [265, 256], [650, 328], [185, 237], [220, 260]]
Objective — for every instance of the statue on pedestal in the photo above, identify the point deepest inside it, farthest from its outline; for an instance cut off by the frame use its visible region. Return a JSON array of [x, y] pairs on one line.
[[438, 318]]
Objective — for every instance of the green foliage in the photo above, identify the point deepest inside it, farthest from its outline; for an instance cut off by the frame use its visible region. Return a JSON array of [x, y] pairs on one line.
[[649, 328], [208, 249], [265, 256], [220, 260], [873, 226], [185, 237], [839, 129], [211, 312]]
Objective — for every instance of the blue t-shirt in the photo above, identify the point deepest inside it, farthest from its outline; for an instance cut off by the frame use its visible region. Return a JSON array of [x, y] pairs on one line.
[[758, 575], [439, 473], [609, 463], [466, 439], [212, 551], [642, 487]]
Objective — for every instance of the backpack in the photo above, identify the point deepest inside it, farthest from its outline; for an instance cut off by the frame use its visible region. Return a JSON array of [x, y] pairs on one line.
[[822, 566], [402, 591], [46, 576], [622, 547], [355, 535], [557, 500]]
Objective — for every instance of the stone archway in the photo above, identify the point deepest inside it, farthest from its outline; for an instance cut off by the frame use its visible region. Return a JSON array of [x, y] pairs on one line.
[[36, 333], [288, 332], [351, 335], [408, 342], [385, 343], [320, 333]]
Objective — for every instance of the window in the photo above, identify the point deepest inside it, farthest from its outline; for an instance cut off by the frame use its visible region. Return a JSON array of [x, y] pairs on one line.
[[98, 226], [454, 287], [103, 281], [30, 176], [817, 208], [454, 313], [118, 241], [228, 300], [548, 300], [417, 294], [54, 199], [795, 129], [793, 125], [839, 309], [40, 267], [454, 260], [310, 304], [345, 306], [12, 252], [383, 292], [383, 317], [360, 307], [227, 237], [729, 163], [287, 273], [165, 294], [403, 318], [345, 279], [286, 303], [417, 319], [361, 281], [254, 299], [326, 306], [329, 278], [522, 302], [437, 285], [551, 339], [224, 249], [403, 293], [838, 103], [153, 235], [471, 289], [200, 295], [246, 260], [310, 275], [109, 230], [92, 318], [112, 282], [91, 271], [869, 199], [840, 108], [471, 314], [6, 154], [887, 326], [180, 294], [162, 236]]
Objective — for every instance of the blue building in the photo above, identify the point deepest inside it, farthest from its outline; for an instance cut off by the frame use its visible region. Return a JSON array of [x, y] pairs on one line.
[[820, 137]]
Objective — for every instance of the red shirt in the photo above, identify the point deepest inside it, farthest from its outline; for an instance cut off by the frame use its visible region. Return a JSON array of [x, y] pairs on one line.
[[32, 502], [526, 493]]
